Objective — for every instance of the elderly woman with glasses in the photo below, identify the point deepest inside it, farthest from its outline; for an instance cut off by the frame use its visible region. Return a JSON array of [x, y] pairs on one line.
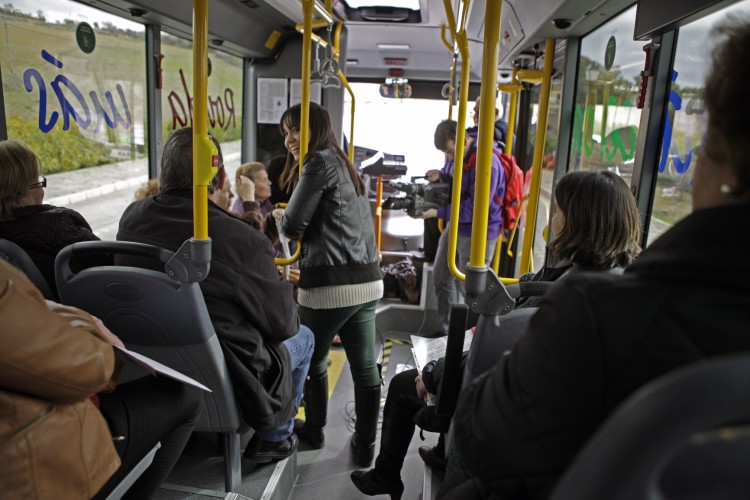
[[41, 230]]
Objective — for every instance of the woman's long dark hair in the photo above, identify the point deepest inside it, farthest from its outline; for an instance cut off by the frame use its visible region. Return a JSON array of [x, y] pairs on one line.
[[321, 137], [602, 225]]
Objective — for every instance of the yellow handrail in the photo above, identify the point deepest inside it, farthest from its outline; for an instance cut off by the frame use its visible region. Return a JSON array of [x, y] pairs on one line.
[[205, 154], [485, 135], [442, 37], [345, 83], [533, 76], [536, 172], [513, 88], [463, 47], [304, 133]]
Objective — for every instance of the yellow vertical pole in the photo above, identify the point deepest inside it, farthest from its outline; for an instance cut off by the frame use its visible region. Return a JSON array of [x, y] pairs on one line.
[[304, 133], [205, 154], [536, 172], [345, 82], [486, 132], [512, 114], [463, 47]]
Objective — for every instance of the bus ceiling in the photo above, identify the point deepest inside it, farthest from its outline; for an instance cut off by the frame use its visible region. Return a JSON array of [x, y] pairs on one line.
[[379, 32]]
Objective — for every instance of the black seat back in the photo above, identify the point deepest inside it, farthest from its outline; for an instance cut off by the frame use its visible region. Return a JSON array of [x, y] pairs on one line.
[[671, 417], [17, 256], [160, 318]]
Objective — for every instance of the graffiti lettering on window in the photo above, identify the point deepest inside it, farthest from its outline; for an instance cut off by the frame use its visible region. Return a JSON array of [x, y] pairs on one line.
[[73, 104], [220, 110]]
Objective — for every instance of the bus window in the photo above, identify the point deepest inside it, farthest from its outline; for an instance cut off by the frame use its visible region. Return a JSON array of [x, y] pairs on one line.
[[398, 126], [606, 119], [75, 92], [684, 127], [224, 94], [548, 165]]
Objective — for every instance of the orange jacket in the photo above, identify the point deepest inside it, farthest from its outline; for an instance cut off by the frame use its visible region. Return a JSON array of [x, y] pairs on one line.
[[54, 442]]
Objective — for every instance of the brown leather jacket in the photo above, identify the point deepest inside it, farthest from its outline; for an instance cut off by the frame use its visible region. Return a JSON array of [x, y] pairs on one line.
[[54, 443]]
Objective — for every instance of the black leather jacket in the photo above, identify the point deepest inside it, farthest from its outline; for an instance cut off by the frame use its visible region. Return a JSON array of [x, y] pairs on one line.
[[337, 225]]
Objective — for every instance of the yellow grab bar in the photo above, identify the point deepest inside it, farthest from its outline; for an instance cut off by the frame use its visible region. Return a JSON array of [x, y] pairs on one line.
[[463, 47], [486, 131], [205, 154], [536, 169]]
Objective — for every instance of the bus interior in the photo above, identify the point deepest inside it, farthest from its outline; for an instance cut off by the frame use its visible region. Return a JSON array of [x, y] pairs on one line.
[[586, 84]]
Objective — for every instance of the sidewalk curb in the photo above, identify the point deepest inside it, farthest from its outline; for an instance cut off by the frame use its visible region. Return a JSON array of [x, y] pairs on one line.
[[96, 192], [90, 194]]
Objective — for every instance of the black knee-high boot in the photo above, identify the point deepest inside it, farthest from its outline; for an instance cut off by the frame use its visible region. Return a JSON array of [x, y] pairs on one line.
[[367, 407], [316, 410]]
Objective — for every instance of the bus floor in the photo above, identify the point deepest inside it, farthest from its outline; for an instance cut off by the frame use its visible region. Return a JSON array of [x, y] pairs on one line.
[[312, 474]]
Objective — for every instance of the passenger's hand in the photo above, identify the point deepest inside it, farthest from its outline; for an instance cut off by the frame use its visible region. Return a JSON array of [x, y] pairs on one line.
[[246, 188], [432, 175], [428, 214], [111, 337], [421, 389], [278, 213]]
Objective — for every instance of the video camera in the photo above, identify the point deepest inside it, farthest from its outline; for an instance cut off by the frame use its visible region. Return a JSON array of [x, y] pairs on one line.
[[419, 197]]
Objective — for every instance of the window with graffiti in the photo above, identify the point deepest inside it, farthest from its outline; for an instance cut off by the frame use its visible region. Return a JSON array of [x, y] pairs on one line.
[[224, 90], [74, 85], [606, 119], [685, 121]]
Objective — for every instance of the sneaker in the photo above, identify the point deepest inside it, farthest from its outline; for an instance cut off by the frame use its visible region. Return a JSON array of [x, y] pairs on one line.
[[261, 451]]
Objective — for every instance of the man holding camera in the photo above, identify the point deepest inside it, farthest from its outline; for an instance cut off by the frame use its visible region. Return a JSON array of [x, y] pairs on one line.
[[447, 288]]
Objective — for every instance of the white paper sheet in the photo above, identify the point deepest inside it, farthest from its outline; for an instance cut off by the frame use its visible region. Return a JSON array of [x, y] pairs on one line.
[[154, 367]]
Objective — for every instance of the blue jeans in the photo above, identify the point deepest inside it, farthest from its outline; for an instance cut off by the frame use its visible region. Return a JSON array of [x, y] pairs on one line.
[[447, 288], [300, 349]]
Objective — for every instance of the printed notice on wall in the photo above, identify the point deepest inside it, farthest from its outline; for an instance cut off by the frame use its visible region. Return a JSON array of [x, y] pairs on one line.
[[295, 96], [272, 101]]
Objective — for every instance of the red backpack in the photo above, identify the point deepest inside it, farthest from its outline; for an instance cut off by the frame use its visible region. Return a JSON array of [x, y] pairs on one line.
[[513, 195]]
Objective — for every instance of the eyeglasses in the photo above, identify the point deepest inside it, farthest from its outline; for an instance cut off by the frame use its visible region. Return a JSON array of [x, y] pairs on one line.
[[41, 182]]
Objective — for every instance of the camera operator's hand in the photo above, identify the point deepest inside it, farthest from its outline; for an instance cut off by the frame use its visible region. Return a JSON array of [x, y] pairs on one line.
[[432, 175], [428, 214]]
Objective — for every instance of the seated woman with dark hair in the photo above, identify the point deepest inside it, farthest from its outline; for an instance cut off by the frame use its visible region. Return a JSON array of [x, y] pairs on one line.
[[597, 339], [41, 230], [596, 227], [66, 425]]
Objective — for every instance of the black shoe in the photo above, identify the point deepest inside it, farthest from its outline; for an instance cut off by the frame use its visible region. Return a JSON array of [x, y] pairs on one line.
[[363, 453], [368, 482], [435, 335], [307, 433], [261, 451], [433, 458]]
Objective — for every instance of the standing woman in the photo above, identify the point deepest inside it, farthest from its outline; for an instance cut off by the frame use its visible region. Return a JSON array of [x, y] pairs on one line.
[[340, 280]]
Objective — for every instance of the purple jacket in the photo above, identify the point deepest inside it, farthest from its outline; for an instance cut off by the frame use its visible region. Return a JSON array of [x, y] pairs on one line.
[[468, 180]]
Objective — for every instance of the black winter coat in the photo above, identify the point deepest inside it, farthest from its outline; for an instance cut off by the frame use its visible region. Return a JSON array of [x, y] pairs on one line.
[[337, 223], [595, 340], [43, 230], [251, 307]]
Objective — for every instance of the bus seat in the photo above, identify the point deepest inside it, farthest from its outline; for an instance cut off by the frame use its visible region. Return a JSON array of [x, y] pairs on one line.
[[494, 336], [132, 476], [17, 256], [664, 438], [162, 319]]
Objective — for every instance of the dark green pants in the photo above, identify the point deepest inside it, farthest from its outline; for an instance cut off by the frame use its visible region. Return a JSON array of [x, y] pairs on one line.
[[355, 326]]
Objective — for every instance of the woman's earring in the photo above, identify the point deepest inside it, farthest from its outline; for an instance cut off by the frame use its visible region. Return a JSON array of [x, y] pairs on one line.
[[726, 189]]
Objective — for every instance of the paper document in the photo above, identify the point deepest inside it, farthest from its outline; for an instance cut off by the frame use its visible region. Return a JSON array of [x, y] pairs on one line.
[[425, 350], [154, 367]]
